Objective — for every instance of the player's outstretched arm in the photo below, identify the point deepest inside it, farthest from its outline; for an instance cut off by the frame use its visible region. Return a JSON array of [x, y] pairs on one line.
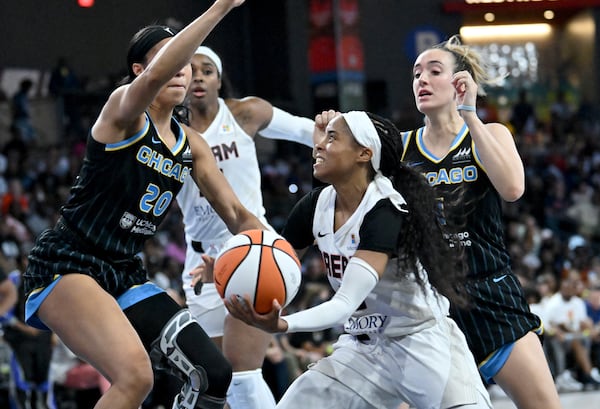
[[217, 190], [257, 115], [126, 104]]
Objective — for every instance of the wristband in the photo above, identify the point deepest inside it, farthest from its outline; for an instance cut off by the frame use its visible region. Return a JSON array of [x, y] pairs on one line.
[[469, 108]]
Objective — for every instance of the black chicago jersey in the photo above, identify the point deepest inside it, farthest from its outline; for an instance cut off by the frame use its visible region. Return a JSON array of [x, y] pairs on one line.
[[469, 204], [124, 189]]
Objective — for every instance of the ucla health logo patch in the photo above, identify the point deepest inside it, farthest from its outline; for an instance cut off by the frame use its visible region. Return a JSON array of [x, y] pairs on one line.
[[127, 220]]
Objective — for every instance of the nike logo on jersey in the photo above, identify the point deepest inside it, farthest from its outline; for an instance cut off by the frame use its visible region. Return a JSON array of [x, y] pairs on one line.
[[413, 164], [322, 234], [154, 140], [498, 279]]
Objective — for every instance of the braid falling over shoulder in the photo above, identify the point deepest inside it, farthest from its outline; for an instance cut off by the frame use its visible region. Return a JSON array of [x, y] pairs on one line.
[[422, 239]]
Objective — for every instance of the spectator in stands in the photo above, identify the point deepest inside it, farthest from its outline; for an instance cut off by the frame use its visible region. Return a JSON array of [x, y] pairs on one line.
[[65, 87], [21, 112], [15, 201], [585, 210], [8, 299], [523, 116], [592, 304], [568, 326], [8, 289], [561, 114], [546, 286], [30, 347]]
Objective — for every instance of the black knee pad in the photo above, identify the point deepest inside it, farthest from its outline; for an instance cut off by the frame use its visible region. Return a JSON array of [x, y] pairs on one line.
[[150, 317], [202, 350], [185, 349]]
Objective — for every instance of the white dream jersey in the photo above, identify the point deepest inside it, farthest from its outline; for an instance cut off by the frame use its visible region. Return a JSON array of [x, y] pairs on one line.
[[235, 153], [396, 306]]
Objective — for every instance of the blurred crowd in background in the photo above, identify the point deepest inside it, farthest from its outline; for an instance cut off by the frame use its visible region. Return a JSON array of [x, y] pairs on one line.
[[553, 233]]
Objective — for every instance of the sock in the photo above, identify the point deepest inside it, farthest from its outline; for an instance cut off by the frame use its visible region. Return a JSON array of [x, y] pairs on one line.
[[248, 390]]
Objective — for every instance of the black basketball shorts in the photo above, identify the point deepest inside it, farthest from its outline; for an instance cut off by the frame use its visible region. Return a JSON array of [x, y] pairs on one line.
[[499, 314]]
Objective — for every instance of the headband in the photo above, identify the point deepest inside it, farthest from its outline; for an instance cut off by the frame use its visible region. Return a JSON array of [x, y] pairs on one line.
[[212, 55], [366, 135]]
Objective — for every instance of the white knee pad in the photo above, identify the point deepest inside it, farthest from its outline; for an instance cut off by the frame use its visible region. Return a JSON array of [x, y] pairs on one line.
[[248, 390]]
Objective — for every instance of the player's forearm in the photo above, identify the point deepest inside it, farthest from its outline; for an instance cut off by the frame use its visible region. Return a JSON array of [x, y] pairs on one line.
[[359, 280], [288, 127], [179, 51], [244, 220]]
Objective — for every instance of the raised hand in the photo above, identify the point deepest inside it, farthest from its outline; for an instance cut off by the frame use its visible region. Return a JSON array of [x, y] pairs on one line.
[[321, 121], [466, 88]]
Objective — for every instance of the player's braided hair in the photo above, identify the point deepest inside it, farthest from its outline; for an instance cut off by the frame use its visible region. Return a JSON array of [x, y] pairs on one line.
[[422, 238]]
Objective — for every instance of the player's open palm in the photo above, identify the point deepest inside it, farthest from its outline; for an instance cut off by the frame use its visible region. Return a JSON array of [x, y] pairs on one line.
[[204, 272], [241, 308]]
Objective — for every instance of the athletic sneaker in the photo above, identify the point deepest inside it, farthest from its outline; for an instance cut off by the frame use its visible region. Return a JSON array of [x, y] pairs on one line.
[[566, 383], [591, 381], [595, 374]]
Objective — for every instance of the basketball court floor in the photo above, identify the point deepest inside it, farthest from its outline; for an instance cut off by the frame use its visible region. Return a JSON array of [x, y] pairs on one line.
[[569, 400]]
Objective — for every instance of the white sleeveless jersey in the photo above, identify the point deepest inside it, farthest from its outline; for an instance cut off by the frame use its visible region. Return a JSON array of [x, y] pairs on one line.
[[396, 306], [235, 153]]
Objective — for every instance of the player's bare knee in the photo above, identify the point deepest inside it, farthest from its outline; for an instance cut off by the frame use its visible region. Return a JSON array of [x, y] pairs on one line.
[[143, 375], [136, 376]]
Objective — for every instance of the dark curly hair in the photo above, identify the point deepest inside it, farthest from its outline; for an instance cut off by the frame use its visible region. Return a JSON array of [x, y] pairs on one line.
[[423, 239]]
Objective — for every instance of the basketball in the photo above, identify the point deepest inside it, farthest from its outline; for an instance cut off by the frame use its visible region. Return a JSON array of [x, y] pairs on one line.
[[259, 263]]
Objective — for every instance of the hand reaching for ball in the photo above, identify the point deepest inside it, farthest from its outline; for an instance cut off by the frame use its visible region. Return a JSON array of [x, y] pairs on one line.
[[202, 273], [241, 308]]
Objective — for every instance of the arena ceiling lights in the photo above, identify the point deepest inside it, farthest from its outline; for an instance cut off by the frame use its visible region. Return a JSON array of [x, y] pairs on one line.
[[503, 32]]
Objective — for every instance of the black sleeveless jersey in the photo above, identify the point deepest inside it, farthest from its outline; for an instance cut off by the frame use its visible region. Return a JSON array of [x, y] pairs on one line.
[[124, 190], [470, 206]]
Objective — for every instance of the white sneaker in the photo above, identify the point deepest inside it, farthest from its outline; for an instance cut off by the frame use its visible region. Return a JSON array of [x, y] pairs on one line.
[[566, 383], [595, 374]]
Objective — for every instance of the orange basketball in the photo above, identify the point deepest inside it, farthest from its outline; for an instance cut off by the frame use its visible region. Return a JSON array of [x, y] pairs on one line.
[[259, 263]]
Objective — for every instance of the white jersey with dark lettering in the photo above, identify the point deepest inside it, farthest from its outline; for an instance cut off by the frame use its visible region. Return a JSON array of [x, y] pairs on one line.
[[402, 335], [235, 153], [205, 231], [396, 306]]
